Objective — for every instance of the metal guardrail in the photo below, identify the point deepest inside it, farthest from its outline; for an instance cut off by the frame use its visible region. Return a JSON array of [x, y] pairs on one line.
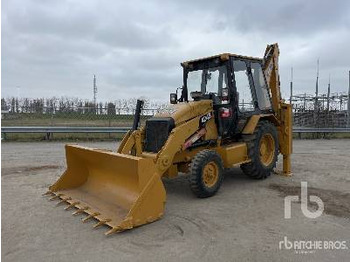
[[63, 129], [49, 130], [320, 130]]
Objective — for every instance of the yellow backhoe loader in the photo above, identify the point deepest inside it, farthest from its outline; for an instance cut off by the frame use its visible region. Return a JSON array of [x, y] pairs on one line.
[[228, 112]]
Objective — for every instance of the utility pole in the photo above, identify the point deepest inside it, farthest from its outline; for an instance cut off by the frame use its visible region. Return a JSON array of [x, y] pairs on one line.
[[316, 97], [18, 91], [95, 90], [291, 86], [328, 91], [318, 72]]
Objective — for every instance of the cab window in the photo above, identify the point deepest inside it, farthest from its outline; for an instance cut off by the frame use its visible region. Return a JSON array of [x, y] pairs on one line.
[[206, 81], [262, 92]]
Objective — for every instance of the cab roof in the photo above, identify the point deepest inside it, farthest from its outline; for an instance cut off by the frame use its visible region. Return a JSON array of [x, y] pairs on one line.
[[223, 56]]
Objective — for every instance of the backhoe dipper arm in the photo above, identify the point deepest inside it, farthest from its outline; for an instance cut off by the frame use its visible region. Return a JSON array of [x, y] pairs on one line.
[[270, 67], [282, 110]]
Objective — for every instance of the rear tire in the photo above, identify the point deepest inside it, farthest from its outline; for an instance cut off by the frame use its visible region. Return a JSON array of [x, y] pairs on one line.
[[262, 150], [206, 173]]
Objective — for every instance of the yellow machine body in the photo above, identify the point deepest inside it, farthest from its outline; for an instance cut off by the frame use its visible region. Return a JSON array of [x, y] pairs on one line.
[[124, 189]]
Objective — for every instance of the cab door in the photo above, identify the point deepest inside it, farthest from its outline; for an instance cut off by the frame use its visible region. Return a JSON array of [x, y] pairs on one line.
[[246, 102], [224, 104]]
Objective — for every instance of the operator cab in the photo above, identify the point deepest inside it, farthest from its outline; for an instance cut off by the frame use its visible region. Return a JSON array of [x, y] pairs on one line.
[[236, 85], [207, 81]]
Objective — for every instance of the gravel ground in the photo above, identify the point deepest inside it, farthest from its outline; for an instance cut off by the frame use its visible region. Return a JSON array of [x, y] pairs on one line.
[[243, 222]]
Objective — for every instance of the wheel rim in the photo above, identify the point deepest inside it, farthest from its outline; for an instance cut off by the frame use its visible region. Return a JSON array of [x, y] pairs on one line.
[[210, 174], [267, 149]]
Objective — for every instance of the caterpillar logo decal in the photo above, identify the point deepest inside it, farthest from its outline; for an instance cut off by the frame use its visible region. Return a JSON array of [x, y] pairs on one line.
[[205, 118]]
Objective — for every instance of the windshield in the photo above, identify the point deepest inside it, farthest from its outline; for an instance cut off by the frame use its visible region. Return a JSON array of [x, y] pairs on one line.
[[206, 81]]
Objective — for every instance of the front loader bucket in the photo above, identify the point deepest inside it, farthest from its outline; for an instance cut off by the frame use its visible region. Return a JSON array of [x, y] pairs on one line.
[[118, 190]]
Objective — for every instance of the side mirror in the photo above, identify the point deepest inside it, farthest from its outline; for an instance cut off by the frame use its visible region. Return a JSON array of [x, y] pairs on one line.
[[173, 98]]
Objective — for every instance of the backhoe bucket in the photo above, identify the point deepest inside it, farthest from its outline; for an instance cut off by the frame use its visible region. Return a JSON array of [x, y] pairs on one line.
[[118, 190]]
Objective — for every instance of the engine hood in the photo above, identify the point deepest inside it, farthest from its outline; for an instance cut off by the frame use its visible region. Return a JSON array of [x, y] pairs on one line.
[[185, 111]]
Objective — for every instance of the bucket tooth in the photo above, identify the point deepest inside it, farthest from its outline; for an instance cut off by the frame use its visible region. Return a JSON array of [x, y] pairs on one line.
[[102, 222], [80, 210], [55, 197], [112, 231], [49, 192], [90, 216], [71, 205], [63, 201]]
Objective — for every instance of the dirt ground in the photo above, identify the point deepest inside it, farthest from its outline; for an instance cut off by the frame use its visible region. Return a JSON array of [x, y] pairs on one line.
[[243, 222]]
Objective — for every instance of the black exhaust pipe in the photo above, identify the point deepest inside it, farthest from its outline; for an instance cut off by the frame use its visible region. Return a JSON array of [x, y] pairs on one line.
[[139, 106]]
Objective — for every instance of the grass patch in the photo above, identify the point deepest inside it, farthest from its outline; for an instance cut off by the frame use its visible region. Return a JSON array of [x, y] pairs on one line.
[[25, 137], [68, 119]]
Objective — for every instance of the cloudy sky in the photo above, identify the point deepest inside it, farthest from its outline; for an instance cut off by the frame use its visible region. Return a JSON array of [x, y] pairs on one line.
[[53, 48]]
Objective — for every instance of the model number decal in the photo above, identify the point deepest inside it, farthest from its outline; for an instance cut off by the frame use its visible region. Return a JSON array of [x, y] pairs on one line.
[[205, 118]]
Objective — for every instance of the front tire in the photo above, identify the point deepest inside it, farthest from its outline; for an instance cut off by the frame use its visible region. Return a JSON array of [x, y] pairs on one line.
[[262, 150], [206, 173]]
